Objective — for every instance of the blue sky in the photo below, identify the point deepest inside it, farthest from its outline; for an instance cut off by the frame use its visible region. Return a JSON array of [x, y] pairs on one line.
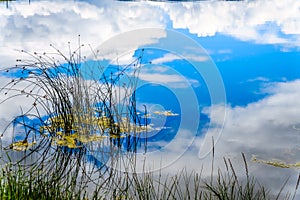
[[250, 49]]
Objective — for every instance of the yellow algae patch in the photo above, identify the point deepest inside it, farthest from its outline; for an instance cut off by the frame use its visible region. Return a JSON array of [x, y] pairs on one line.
[[68, 142], [76, 122], [90, 138], [297, 165], [73, 146], [83, 126], [72, 139], [130, 127], [165, 113], [140, 129], [61, 142], [117, 136], [276, 163], [21, 145]]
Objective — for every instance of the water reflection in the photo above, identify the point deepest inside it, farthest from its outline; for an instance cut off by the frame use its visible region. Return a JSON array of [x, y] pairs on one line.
[[254, 44]]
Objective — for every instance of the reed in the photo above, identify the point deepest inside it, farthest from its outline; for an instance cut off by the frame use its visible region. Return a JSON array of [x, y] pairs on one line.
[[78, 119]]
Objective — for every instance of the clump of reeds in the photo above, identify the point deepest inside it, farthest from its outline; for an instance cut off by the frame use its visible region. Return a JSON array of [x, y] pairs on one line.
[[192, 185], [75, 114]]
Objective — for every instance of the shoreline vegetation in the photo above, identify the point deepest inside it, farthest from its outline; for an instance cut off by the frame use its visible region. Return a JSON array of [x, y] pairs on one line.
[[82, 124], [20, 182]]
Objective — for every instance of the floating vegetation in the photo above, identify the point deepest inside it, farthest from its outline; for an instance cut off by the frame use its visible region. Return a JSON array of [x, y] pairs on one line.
[[21, 145], [166, 113], [72, 140], [82, 127], [79, 123], [276, 163]]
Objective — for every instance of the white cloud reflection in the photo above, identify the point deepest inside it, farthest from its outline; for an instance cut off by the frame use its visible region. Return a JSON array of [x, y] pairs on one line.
[[266, 22], [265, 128], [33, 27], [166, 76], [169, 57]]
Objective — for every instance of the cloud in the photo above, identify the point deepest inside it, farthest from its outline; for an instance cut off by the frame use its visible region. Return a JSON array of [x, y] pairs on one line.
[[266, 125], [247, 20], [13, 103], [260, 78], [169, 57], [161, 78], [166, 58], [121, 48], [170, 80], [33, 27], [159, 69], [225, 51], [265, 129]]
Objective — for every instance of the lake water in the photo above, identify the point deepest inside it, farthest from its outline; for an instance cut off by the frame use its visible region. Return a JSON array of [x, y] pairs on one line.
[[203, 69]]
